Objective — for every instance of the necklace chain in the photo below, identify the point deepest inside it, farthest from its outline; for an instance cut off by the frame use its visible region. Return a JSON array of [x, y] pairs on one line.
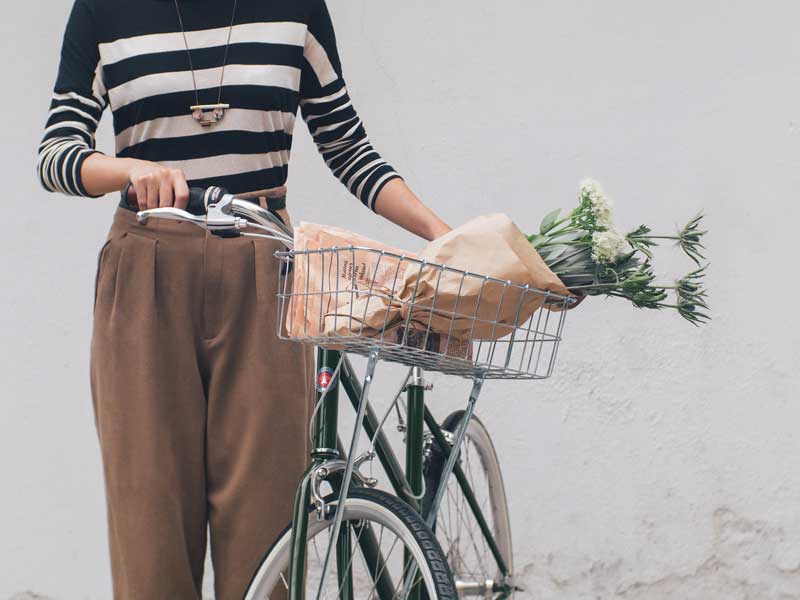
[[189, 53]]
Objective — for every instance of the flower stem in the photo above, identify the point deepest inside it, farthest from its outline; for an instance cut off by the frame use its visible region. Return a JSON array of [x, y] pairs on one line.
[[564, 220], [573, 274], [594, 285]]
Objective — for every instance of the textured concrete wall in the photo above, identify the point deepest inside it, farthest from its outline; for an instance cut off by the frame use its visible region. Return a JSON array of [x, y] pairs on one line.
[[660, 462]]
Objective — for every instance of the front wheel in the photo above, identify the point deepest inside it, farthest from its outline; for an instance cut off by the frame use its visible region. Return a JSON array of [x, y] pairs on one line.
[[384, 552]]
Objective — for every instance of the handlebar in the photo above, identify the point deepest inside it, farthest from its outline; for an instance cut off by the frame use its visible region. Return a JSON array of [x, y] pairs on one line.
[[221, 213], [199, 198]]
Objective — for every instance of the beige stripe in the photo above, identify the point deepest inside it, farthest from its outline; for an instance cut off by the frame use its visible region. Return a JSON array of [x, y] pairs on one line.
[[318, 59], [69, 108], [326, 128], [80, 125], [323, 99], [275, 33], [330, 112], [78, 98], [168, 83], [256, 121], [228, 164]]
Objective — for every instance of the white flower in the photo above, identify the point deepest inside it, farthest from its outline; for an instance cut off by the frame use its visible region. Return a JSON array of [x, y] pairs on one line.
[[608, 246], [588, 185], [601, 205]]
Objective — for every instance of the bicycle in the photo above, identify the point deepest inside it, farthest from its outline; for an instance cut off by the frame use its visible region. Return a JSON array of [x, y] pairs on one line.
[[437, 537]]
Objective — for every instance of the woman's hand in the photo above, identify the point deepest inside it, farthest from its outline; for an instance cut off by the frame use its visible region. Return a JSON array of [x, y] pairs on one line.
[[580, 297], [157, 186]]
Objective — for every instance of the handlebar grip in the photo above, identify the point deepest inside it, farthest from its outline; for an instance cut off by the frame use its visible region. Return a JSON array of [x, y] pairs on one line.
[[199, 198]]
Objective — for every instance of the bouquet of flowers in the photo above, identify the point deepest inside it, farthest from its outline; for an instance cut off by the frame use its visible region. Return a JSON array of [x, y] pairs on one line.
[[593, 257]]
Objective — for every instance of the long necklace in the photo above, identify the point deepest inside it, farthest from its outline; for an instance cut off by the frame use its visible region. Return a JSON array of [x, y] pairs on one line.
[[207, 114]]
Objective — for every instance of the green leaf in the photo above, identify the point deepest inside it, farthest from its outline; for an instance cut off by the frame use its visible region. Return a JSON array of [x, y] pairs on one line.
[[574, 236], [549, 221], [554, 252], [537, 239]]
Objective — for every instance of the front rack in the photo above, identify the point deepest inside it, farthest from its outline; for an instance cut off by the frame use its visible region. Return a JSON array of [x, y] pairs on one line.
[[364, 300]]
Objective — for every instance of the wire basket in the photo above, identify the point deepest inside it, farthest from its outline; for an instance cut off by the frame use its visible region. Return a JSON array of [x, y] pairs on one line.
[[413, 312]]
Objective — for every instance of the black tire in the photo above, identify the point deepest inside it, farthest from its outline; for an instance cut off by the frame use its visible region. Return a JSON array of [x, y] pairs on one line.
[[371, 506]]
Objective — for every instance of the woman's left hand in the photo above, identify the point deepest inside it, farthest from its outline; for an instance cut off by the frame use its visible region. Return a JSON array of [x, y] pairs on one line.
[[580, 297]]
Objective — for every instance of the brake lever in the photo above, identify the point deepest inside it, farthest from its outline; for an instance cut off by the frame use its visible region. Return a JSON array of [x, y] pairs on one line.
[[170, 213], [220, 219]]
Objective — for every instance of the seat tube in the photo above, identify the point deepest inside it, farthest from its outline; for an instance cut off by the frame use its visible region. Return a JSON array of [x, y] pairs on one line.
[[415, 432], [415, 446]]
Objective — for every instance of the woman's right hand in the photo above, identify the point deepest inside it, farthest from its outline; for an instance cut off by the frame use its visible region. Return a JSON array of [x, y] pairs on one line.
[[157, 186]]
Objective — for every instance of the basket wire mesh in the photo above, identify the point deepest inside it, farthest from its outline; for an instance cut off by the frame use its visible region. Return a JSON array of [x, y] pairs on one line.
[[418, 313]]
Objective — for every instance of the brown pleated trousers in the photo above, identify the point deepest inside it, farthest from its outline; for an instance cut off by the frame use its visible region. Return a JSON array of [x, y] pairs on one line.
[[201, 411]]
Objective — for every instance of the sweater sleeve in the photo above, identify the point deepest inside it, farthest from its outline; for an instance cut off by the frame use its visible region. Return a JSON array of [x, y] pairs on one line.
[[78, 101], [331, 118]]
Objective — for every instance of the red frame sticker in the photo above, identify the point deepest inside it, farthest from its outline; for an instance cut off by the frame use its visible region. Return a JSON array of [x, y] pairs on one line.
[[324, 379]]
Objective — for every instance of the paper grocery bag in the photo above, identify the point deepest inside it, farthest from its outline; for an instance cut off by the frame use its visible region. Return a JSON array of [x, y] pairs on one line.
[[471, 306], [346, 292], [356, 292]]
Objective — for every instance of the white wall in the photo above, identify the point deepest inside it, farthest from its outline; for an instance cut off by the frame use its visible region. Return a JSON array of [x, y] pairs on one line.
[[661, 461]]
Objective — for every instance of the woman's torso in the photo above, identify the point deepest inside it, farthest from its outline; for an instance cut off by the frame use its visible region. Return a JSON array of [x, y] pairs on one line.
[[145, 73]]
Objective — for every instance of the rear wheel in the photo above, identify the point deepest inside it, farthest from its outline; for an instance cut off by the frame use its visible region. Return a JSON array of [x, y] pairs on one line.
[[385, 552], [475, 568]]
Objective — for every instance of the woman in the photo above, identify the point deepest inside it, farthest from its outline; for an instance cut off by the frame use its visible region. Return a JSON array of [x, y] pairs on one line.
[[201, 412]]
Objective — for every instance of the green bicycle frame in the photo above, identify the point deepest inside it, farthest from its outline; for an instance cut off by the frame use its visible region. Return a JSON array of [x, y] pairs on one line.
[[407, 484], [324, 448]]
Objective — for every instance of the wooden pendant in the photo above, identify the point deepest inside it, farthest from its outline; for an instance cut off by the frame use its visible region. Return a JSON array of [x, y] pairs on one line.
[[209, 114]]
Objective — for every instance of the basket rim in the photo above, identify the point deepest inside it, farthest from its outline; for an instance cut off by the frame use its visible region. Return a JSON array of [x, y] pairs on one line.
[[550, 297]]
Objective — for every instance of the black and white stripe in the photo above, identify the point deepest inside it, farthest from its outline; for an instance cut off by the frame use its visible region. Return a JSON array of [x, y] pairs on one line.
[[69, 137], [135, 62]]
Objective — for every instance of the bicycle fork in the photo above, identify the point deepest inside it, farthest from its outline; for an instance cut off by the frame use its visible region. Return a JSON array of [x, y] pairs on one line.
[[325, 440]]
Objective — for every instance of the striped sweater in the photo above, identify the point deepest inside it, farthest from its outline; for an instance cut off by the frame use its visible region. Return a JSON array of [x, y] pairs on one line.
[[129, 55]]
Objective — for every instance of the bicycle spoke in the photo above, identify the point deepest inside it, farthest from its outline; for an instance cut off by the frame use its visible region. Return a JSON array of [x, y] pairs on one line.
[[385, 565], [380, 573], [410, 571], [350, 562], [359, 570]]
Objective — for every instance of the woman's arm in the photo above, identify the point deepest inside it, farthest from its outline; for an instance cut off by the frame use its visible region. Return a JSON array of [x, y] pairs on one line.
[[68, 161], [342, 140], [397, 203], [79, 99]]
